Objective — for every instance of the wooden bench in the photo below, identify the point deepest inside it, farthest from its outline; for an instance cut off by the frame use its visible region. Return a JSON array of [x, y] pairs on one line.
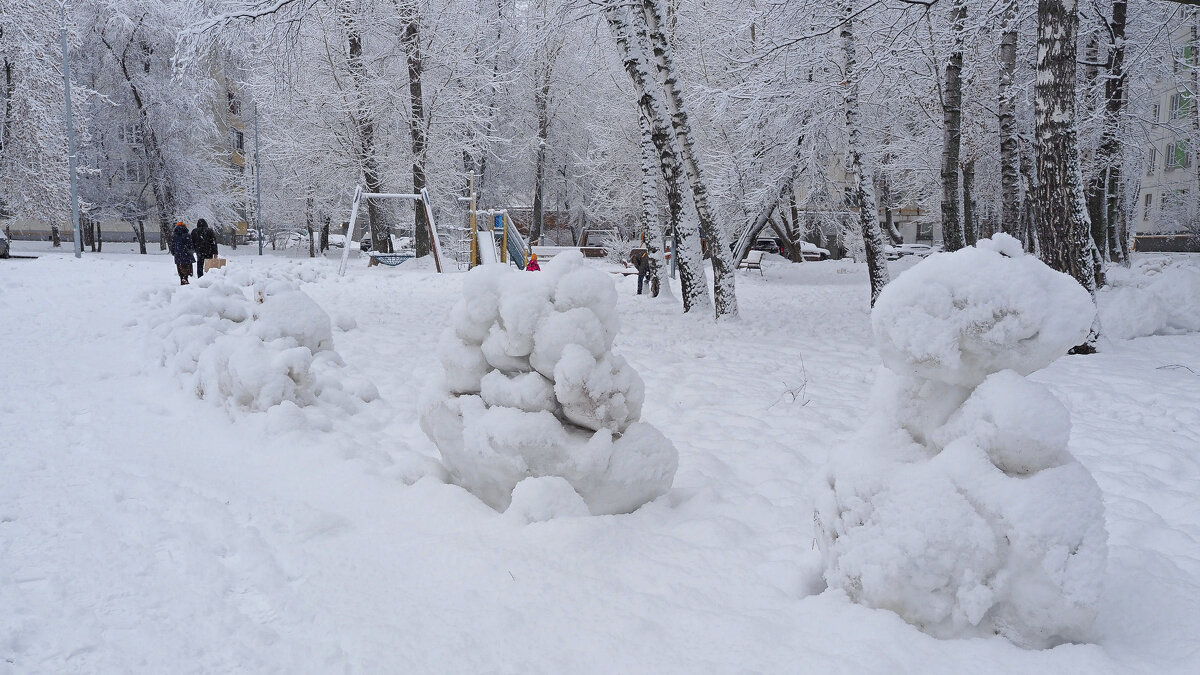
[[752, 261]]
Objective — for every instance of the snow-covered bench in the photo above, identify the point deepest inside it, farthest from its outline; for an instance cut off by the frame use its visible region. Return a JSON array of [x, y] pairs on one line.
[[752, 261]]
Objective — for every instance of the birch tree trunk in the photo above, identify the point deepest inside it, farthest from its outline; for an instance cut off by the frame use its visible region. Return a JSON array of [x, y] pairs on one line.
[[1111, 146], [1063, 228], [862, 191], [1010, 195], [1029, 209], [724, 291], [952, 229], [692, 282], [308, 224], [650, 226]]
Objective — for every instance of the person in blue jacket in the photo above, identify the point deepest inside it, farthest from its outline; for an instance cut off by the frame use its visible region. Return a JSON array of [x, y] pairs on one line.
[[184, 252]]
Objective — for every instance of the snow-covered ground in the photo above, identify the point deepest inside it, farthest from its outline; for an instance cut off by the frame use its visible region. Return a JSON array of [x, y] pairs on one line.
[[146, 529]]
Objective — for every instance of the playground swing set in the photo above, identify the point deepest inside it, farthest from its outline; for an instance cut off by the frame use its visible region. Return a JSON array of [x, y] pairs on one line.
[[391, 259], [494, 238]]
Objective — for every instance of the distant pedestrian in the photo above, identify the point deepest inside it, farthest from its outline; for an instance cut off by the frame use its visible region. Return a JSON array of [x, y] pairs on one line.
[[183, 251], [641, 262], [204, 241], [532, 265]]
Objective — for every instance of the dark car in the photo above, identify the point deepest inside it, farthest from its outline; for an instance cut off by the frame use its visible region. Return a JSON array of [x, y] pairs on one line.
[[3, 244]]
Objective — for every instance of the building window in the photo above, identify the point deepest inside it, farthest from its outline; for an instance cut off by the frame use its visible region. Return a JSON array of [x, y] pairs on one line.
[[1153, 163], [235, 106], [1178, 156], [239, 141], [131, 134], [1155, 112], [1149, 204], [1181, 105]]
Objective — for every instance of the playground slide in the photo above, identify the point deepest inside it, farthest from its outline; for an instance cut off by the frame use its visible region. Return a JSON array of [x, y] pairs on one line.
[[489, 251]]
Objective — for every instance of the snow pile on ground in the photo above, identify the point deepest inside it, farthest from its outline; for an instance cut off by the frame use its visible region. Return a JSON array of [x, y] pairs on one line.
[[1156, 297], [961, 509], [533, 389], [255, 343]]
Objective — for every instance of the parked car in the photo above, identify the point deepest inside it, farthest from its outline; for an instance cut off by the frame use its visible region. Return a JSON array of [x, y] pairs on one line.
[[4, 247], [337, 241], [808, 250], [901, 250]]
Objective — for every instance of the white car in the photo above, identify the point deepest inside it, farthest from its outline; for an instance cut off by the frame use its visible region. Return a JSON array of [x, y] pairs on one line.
[[920, 250]]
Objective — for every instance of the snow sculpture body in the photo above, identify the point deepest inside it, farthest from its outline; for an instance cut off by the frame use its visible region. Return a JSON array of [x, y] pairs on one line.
[[533, 389], [962, 510]]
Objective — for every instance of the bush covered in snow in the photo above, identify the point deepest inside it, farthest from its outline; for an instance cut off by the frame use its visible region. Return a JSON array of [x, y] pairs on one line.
[[254, 344], [1157, 296], [532, 388], [960, 508]]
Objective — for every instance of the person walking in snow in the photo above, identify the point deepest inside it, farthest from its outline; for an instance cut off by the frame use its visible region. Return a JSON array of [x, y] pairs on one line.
[[641, 262], [183, 251], [204, 241], [532, 265]]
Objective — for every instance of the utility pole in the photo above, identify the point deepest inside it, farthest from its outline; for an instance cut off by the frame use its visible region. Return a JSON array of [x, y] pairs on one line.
[[258, 187], [62, 34]]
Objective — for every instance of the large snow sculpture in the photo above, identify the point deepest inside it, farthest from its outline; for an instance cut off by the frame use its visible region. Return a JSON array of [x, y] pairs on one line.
[[532, 389], [961, 509]]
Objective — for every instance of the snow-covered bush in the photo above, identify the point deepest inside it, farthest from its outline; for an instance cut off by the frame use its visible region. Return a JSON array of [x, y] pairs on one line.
[[253, 344], [533, 389], [960, 507], [1156, 297]]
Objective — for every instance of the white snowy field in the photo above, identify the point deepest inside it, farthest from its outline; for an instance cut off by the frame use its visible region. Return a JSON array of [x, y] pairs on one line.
[[144, 529]]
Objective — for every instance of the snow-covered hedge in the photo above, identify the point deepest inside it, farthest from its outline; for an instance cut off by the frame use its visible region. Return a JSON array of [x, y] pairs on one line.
[[532, 389], [253, 344], [1157, 296], [960, 508]]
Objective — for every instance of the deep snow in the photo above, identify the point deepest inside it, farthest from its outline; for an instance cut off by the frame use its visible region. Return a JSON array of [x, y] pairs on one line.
[[143, 529]]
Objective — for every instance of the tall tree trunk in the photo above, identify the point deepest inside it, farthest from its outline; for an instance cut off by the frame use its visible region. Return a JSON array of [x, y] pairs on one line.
[[1029, 182], [139, 232], [651, 229], [411, 40], [724, 291], [1063, 228], [10, 89], [541, 99], [364, 123], [692, 282], [862, 191], [164, 193], [1010, 195], [325, 233], [952, 229], [970, 224], [308, 225]]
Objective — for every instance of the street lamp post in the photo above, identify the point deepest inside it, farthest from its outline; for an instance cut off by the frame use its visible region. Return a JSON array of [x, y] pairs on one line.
[[62, 34]]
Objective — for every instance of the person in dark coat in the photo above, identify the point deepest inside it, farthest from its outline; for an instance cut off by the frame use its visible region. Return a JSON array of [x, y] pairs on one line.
[[641, 262], [204, 241], [183, 251]]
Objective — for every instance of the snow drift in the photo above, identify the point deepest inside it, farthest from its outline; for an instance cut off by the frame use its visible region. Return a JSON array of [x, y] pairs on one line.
[[532, 388], [960, 508], [254, 344], [1156, 297]]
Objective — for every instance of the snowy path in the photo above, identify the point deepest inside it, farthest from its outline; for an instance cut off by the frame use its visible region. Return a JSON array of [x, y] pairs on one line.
[[144, 530]]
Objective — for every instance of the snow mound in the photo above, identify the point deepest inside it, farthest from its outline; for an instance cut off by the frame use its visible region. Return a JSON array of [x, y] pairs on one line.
[[957, 317], [1156, 297], [960, 507], [254, 344], [533, 389], [536, 500]]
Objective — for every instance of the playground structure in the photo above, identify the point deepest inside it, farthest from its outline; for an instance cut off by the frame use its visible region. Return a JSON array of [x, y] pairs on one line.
[[494, 238], [391, 259]]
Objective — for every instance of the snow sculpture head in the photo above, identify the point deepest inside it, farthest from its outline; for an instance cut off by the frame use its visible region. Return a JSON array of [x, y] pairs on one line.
[[961, 509], [533, 389]]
